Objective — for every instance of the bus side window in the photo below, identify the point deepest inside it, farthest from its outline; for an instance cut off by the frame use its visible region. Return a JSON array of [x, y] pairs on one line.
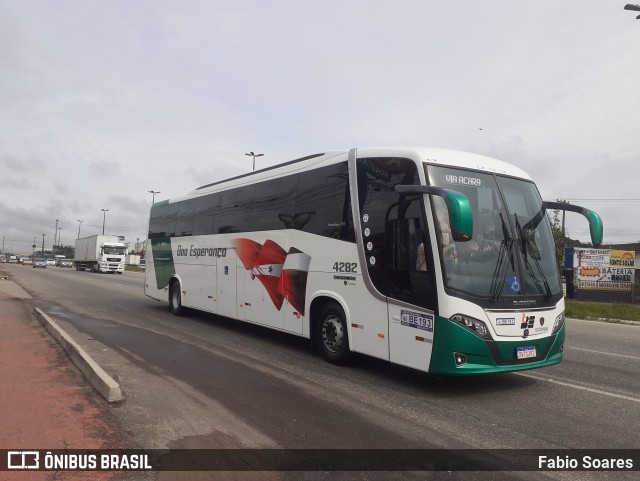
[[273, 207], [155, 222], [236, 210], [408, 269], [162, 221], [323, 203], [186, 214], [393, 228], [207, 210]]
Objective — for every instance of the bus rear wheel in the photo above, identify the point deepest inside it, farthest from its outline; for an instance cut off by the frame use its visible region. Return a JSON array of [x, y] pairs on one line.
[[331, 335], [175, 299]]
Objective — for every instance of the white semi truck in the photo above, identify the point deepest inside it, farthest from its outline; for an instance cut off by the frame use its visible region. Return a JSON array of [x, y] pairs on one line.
[[100, 253]]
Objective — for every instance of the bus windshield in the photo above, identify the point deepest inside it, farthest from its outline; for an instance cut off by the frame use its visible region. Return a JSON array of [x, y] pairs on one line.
[[512, 253]]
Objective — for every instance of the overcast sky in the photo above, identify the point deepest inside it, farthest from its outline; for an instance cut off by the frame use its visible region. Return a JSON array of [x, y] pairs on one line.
[[101, 102]]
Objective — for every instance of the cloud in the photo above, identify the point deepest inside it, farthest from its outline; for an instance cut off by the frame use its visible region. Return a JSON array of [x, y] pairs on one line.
[[107, 106]]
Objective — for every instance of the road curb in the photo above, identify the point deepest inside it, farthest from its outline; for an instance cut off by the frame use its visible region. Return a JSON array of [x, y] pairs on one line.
[[106, 386], [610, 321]]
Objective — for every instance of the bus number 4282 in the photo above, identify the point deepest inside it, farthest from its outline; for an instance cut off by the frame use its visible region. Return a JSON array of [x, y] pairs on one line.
[[345, 267]]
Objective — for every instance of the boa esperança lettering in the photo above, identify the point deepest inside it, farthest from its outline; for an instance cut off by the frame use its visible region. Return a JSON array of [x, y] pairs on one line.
[[196, 252]]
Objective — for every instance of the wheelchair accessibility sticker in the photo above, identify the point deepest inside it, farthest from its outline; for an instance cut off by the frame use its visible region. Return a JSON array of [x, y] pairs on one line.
[[514, 284]]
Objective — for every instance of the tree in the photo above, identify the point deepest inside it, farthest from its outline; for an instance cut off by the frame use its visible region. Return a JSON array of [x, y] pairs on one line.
[[560, 239], [67, 251]]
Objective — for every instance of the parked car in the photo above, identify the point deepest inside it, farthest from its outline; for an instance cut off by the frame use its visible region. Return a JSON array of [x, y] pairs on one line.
[[65, 263], [40, 262]]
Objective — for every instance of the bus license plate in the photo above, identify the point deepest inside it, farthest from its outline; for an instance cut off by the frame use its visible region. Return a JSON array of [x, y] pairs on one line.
[[526, 352]]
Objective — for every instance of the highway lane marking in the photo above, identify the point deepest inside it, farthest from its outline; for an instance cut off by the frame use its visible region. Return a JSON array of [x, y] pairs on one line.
[[576, 386], [601, 352]]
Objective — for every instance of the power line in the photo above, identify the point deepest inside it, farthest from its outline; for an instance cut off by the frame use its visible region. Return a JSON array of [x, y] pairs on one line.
[[604, 200]]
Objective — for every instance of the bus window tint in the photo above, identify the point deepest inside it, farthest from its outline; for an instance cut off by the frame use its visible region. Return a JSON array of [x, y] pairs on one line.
[[186, 213], [155, 222], [273, 207], [407, 268], [207, 210], [390, 219], [235, 211], [322, 203], [163, 221], [169, 219]]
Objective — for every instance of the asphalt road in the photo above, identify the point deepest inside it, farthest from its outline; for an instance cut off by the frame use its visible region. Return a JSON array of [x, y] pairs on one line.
[[202, 381]]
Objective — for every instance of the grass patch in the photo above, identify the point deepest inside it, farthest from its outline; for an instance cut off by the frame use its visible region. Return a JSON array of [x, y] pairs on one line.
[[133, 268], [601, 310]]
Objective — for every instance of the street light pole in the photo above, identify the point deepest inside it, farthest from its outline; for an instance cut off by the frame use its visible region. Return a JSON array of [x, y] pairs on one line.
[[79, 225], [251, 154], [59, 241], [153, 193], [42, 245], [104, 218]]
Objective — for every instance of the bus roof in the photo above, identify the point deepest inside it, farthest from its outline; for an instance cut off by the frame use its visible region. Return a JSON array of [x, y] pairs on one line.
[[449, 158], [315, 160], [429, 155]]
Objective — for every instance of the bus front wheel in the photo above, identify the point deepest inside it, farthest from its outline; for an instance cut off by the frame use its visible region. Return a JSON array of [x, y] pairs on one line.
[[331, 335], [175, 299]]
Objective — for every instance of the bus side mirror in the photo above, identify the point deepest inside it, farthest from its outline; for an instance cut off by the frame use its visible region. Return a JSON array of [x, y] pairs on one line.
[[460, 216], [458, 205], [595, 221]]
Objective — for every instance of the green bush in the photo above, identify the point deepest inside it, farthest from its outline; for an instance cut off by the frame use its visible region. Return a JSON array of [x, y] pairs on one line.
[[601, 310]]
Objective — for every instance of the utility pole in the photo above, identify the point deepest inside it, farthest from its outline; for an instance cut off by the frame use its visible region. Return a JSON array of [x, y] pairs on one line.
[[42, 245], [79, 225], [104, 218], [563, 213], [55, 235]]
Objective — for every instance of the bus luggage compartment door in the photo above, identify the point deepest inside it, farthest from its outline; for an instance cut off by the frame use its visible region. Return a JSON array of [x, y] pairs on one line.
[[227, 290]]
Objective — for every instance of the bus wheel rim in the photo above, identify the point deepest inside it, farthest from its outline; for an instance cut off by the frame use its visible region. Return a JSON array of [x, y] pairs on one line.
[[332, 334]]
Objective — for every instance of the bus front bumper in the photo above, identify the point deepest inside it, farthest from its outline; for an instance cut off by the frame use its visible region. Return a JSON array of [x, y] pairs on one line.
[[482, 356]]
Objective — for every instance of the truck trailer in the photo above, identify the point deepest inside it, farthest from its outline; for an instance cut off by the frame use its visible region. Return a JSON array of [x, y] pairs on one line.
[[100, 253]]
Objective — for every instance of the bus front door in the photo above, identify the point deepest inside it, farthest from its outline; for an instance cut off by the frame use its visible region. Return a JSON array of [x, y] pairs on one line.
[[394, 243], [409, 286]]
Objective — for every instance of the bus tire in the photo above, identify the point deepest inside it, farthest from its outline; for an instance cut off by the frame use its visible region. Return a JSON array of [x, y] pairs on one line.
[[175, 299], [331, 334]]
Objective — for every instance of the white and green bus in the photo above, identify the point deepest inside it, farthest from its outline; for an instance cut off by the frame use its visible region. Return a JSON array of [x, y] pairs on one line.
[[439, 260]]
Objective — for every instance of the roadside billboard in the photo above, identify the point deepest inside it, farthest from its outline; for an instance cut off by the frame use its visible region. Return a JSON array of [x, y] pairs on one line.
[[602, 270]]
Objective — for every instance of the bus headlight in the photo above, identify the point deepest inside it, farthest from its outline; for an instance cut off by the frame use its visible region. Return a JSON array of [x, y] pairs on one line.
[[558, 323], [474, 325]]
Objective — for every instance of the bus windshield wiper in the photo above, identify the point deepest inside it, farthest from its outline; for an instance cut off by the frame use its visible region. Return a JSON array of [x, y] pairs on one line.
[[526, 245], [497, 282]]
